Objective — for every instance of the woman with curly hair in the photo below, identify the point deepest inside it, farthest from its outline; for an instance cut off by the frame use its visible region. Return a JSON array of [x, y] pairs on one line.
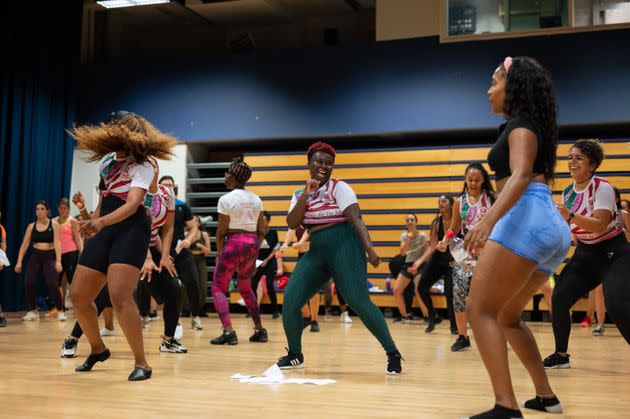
[[329, 210], [240, 231], [120, 229], [602, 255], [523, 236]]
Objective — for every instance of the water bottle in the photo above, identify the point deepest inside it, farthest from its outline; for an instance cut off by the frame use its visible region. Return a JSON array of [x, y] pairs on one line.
[[456, 247], [388, 284]]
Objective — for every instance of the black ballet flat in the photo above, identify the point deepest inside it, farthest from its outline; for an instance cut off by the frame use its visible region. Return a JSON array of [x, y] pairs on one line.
[[139, 374], [93, 359]]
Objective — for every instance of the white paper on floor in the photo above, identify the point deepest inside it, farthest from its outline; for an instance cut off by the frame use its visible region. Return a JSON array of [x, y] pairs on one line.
[[274, 375]]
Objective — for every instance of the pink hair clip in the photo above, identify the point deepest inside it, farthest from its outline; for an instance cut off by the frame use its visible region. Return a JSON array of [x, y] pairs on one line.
[[507, 63]]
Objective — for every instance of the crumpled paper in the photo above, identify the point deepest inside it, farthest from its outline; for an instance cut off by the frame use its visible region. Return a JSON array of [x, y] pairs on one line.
[[274, 375]]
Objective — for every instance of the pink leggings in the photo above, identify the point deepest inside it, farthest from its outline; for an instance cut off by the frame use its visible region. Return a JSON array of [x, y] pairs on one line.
[[239, 254]]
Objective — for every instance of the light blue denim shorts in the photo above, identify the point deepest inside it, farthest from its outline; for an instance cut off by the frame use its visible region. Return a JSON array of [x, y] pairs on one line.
[[534, 229]]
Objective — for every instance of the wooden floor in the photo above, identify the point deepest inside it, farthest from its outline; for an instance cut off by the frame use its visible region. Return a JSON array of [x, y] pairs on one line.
[[437, 383]]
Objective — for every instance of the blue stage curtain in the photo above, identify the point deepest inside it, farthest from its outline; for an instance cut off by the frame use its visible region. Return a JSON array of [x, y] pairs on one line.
[[37, 104]]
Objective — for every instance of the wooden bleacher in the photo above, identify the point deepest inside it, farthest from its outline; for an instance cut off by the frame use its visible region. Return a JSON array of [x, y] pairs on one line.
[[391, 183]]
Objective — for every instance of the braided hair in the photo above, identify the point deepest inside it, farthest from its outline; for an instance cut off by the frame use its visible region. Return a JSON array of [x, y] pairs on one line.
[[322, 147], [240, 170]]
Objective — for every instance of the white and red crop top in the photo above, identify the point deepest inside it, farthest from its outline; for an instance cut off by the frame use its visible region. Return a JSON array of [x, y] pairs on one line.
[[470, 213], [599, 194], [119, 176], [159, 205], [326, 205]]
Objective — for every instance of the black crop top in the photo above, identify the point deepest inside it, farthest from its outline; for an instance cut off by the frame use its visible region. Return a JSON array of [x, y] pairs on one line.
[[45, 236], [499, 155]]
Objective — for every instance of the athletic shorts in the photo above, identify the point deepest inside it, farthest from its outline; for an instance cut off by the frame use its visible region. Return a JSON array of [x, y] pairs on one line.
[[126, 242], [534, 229], [404, 270]]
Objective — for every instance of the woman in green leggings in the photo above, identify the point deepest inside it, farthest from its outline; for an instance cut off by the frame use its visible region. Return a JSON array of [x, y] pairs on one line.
[[328, 208]]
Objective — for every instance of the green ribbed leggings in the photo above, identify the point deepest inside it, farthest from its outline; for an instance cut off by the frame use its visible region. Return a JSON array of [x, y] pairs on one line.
[[335, 252]]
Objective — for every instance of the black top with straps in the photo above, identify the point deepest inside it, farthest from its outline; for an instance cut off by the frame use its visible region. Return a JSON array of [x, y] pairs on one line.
[[45, 236], [499, 155]]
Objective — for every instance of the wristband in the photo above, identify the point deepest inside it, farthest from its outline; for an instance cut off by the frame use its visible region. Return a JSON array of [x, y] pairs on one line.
[[571, 216]]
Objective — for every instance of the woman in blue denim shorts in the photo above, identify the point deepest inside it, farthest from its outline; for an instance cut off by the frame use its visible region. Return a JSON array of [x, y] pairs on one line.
[[523, 236]]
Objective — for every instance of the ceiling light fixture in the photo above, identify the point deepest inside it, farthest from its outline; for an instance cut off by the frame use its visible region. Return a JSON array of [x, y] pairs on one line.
[[115, 4]]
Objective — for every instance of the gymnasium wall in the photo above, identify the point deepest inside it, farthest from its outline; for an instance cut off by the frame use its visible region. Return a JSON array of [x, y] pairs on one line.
[[409, 85], [391, 183]]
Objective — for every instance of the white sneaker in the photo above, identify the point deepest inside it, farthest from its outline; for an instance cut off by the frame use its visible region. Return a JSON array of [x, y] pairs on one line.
[[196, 323], [345, 318], [145, 322], [179, 332], [241, 302], [30, 316], [68, 302], [107, 332], [61, 316]]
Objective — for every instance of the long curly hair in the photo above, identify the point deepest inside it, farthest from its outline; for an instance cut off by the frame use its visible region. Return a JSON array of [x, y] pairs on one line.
[[124, 132], [529, 92]]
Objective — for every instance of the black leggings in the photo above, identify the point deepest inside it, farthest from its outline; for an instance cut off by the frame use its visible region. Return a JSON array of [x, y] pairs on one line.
[[437, 266], [102, 302], [187, 271], [270, 272], [328, 295], [608, 263], [42, 262], [69, 262]]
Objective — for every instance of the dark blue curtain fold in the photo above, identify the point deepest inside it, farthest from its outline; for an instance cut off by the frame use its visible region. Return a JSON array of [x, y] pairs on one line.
[[37, 104]]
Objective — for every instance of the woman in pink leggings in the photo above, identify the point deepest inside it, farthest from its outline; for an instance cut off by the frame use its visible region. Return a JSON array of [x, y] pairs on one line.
[[239, 235]]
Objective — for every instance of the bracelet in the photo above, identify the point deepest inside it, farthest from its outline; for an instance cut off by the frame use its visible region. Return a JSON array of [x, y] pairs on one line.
[[571, 216]]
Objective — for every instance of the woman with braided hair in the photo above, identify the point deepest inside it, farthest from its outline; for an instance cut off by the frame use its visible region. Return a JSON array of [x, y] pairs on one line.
[[240, 231], [119, 230], [329, 210]]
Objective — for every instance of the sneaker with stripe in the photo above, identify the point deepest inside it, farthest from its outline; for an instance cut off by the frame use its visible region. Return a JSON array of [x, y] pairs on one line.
[[291, 361]]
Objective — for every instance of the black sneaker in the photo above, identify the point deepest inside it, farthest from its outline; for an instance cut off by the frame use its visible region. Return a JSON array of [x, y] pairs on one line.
[[291, 361], [275, 315], [69, 348], [314, 326], [260, 335], [550, 405], [393, 363], [3, 322], [557, 361], [306, 322], [226, 337], [498, 412], [173, 346], [462, 343], [185, 313], [153, 316], [426, 320]]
